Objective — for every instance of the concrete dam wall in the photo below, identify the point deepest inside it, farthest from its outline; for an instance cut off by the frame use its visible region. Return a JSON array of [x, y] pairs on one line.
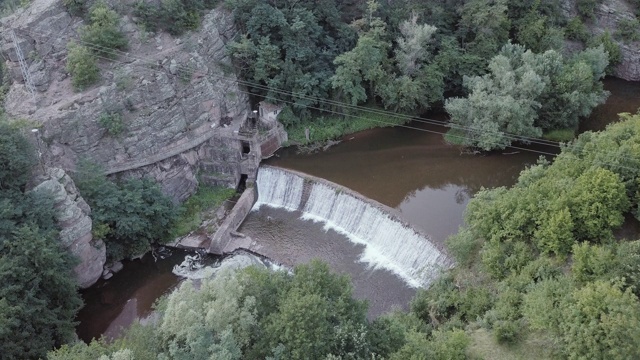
[[389, 242]]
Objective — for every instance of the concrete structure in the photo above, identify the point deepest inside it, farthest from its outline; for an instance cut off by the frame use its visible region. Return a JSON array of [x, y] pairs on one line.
[[226, 239]]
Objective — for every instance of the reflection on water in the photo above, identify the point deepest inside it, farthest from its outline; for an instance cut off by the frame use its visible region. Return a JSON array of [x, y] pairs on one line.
[[413, 171], [113, 304], [448, 203], [625, 97]]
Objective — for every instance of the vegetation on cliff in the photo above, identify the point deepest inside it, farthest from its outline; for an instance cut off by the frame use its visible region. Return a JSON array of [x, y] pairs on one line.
[[38, 297], [129, 215]]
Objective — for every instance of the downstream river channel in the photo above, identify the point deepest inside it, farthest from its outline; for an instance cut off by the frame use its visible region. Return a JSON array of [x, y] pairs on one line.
[[411, 170]]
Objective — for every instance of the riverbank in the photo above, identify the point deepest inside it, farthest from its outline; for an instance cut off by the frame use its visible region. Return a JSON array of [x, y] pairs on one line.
[[334, 125]]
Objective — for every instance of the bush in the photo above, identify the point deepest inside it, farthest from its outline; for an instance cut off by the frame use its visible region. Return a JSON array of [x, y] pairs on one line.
[[102, 32], [576, 30], [586, 8], [112, 122], [75, 7], [628, 30], [82, 66]]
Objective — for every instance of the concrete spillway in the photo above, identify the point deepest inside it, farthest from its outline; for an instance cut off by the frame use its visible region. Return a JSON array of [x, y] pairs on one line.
[[388, 242]]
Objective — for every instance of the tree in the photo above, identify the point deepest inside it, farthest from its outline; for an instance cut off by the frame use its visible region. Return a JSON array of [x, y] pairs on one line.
[[132, 215], [524, 94], [16, 159], [39, 298], [601, 321], [416, 84], [501, 105]]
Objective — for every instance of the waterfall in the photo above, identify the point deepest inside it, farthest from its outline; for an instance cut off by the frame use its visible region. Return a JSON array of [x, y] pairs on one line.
[[278, 189], [388, 243]]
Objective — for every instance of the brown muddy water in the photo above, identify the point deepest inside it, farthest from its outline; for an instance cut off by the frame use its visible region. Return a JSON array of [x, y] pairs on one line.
[[413, 171]]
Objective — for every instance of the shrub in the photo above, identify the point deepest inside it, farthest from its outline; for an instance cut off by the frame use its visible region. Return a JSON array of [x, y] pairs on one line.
[[74, 7], [576, 30], [112, 122], [82, 66], [586, 8], [103, 32], [628, 30]]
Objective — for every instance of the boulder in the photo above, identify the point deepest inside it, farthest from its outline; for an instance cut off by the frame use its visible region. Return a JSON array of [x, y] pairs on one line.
[[72, 214]]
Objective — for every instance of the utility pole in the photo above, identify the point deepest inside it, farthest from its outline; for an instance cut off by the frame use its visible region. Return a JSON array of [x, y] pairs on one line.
[[23, 67]]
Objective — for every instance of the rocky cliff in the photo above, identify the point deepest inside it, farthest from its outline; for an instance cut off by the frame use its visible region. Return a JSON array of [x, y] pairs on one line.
[[173, 95], [72, 214], [607, 16]]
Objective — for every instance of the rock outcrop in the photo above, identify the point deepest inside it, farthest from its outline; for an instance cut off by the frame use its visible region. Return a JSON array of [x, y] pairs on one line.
[[608, 14], [72, 214], [173, 95]]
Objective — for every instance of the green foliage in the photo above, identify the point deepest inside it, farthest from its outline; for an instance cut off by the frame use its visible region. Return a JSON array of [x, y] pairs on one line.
[[601, 321], [82, 65], [560, 135], [611, 48], [628, 30], [526, 93], [16, 158], [591, 262], [112, 122], [75, 7], [103, 31], [293, 47], [328, 127], [463, 246], [38, 299], [174, 16], [586, 8], [576, 30], [136, 212], [197, 206]]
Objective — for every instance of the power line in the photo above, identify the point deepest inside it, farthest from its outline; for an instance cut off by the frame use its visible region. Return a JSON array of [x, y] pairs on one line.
[[380, 112], [511, 136]]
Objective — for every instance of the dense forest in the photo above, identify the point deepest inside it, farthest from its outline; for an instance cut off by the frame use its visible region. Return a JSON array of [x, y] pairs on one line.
[[541, 271]]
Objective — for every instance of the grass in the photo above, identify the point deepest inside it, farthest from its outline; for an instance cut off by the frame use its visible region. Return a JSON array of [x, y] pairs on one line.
[[329, 127], [197, 207], [484, 346], [560, 135]]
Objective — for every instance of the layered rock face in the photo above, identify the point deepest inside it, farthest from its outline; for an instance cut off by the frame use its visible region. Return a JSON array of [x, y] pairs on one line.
[[171, 93], [608, 14], [72, 214]]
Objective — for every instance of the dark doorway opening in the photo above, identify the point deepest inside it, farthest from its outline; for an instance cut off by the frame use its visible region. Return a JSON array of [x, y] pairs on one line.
[[246, 148], [242, 184]]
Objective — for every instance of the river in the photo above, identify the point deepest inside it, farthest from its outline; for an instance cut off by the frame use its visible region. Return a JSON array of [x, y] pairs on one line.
[[413, 171]]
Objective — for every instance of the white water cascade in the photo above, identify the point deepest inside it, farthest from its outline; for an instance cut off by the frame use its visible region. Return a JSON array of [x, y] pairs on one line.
[[389, 243], [278, 189]]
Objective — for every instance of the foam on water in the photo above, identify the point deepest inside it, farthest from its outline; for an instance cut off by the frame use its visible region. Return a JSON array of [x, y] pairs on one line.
[[388, 243]]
